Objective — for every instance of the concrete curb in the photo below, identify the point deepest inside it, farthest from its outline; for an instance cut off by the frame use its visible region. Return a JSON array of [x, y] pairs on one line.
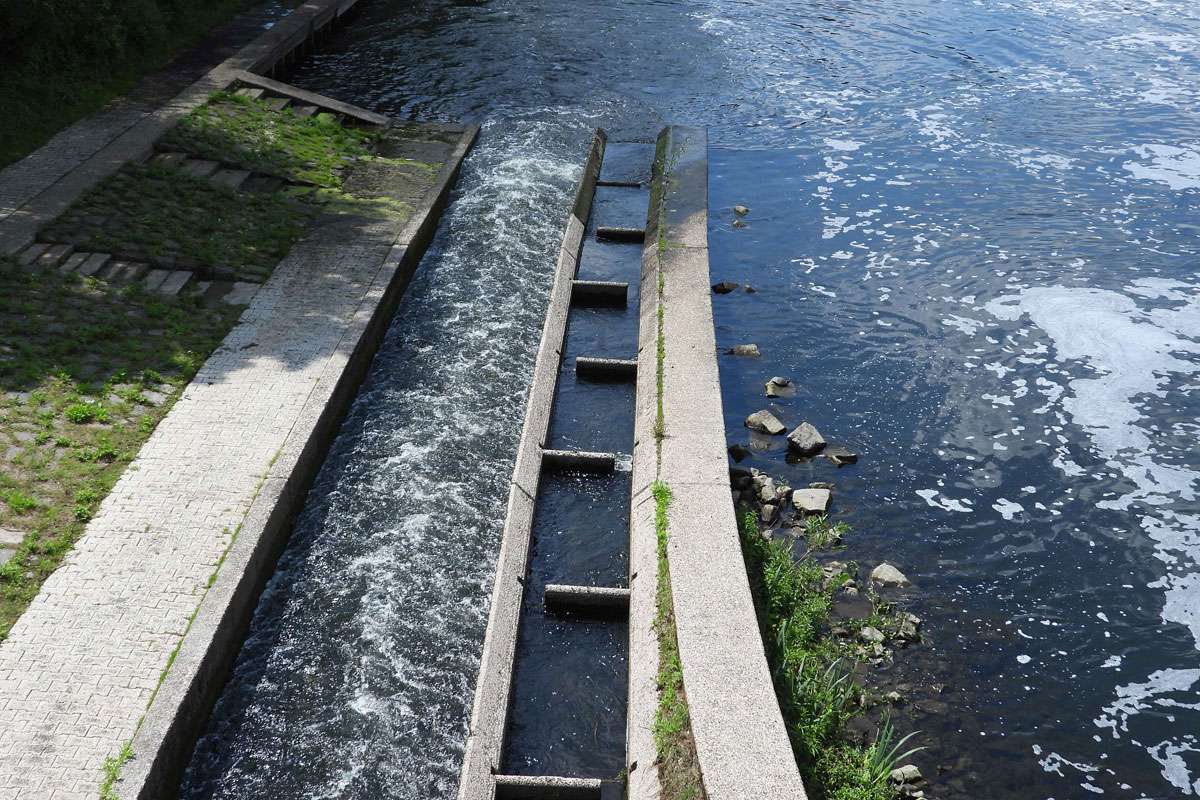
[[179, 710], [489, 716], [41, 200], [741, 742]]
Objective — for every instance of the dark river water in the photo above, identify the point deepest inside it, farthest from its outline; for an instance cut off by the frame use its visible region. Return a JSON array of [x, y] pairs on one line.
[[973, 231]]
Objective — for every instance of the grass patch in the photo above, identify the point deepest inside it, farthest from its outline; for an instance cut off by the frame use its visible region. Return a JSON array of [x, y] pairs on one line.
[[679, 771], [112, 771], [63, 60], [235, 129], [794, 598], [86, 373], [161, 214]]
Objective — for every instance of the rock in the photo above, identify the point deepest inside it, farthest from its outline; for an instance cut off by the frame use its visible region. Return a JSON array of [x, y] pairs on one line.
[[811, 501], [738, 452], [737, 223], [871, 635], [779, 387], [724, 287], [910, 627], [766, 492], [769, 513], [840, 455], [750, 289], [894, 697], [820, 485], [749, 350], [850, 591], [765, 422], [906, 774], [806, 440], [887, 575], [741, 210]]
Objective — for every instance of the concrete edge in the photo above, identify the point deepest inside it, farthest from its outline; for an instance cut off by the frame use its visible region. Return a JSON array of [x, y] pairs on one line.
[[493, 688], [179, 710], [312, 98], [742, 745], [19, 229]]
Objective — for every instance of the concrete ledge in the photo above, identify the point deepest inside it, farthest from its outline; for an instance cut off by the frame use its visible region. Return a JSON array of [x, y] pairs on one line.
[[599, 293], [606, 369], [178, 712], [42, 193], [311, 98], [589, 599], [610, 234], [578, 461], [741, 743], [539, 787], [493, 688]]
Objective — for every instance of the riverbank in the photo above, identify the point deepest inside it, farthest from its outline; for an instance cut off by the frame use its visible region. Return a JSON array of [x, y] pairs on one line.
[[63, 62]]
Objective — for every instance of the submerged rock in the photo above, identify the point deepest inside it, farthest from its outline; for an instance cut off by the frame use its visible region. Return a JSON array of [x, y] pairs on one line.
[[906, 774], [887, 575], [871, 635], [780, 387], [769, 513], [738, 452], [806, 440], [750, 350], [910, 627], [724, 287], [840, 455], [765, 422], [750, 289], [741, 210]]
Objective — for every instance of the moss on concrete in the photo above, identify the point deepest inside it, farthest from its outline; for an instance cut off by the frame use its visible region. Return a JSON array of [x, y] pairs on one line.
[[86, 373]]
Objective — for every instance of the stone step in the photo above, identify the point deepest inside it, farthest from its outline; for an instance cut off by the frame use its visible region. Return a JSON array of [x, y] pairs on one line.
[[73, 263], [278, 103], [578, 461], [54, 255], [233, 293], [171, 159], [123, 272], [32, 253], [230, 178], [154, 279], [264, 184], [173, 284], [606, 369], [549, 787], [252, 93], [199, 167], [93, 264], [304, 111]]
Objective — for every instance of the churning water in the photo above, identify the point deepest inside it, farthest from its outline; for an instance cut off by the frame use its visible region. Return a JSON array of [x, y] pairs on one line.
[[974, 236]]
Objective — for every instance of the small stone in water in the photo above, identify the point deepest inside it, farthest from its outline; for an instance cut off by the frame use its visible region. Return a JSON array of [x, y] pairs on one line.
[[811, 501], [806, 440], [871, 635], [887, 575], [770, 513], [724, 287], [906, 774], [840, 455], [750, 350], [738, 453], [750, 289], [765, 422], [741, 210], [779, 387]]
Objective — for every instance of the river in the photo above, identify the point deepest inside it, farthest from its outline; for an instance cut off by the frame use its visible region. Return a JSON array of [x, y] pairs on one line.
[[973, 233]]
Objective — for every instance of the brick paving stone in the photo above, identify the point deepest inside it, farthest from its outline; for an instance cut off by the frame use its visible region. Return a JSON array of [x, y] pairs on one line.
[[199, 167], [123, 272], [95, 262], [174, 282], [230, 178], [32, 253]]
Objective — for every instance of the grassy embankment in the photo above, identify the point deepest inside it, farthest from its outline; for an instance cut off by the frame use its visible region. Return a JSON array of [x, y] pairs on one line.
[[88, 369], [810, 663], [61, 60]]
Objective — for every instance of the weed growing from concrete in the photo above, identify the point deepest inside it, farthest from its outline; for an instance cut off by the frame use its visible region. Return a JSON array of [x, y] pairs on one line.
[[112, 771], [817, 695]]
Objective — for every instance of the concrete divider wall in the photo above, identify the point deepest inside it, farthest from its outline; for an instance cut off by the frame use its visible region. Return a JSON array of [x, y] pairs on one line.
[[493, 687], [741, 742]]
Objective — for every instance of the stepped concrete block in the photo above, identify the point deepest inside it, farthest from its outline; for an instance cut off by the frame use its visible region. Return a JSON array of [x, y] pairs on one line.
[[547, 787], [230, 178], [174, 282], [32, 253], [608, 233], [154, 279], [241, 293], [250, 92], [94, 263], [304, 111], [55, 254], [173, 159], [606, 369], [589, 599], [599, 293], [277, 103], [199, 167], [578, 461], [73, 263]]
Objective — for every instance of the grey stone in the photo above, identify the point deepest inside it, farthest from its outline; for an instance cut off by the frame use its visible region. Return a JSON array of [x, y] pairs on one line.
[[806, 440], [906, 774], [6, 555], [840, 455], [811, 501], [768, 492], [780, 387], [887, 575], [11, 538], [871, 635], [765, 422], [749, 350], [769, 513], [741, 210], [32, 253], [910, 627]]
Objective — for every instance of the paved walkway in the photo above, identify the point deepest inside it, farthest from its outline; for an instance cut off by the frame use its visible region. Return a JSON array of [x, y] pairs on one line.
[[80, 666]]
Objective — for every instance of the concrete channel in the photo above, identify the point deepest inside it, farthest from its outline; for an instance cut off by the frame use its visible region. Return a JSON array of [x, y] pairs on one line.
[[591, 305]]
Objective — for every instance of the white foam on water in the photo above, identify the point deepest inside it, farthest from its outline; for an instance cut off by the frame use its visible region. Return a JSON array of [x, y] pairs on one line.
[[1176, 166]]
